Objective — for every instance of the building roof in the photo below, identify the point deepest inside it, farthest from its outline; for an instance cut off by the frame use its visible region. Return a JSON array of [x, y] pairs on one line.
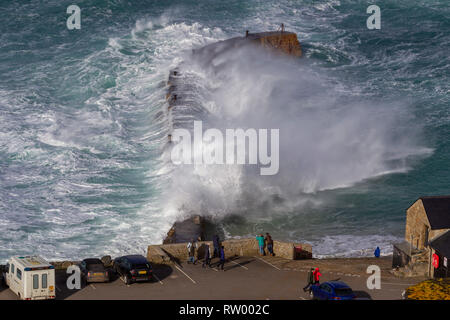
[[438, 211], [32, 261], [442, 244], [406, 247]]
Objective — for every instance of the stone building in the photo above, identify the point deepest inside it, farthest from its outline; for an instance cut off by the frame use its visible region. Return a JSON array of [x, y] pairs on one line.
[[427, 233]]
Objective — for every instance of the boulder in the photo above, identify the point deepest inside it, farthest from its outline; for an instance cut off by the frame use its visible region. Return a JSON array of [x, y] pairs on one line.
[[107, 261]]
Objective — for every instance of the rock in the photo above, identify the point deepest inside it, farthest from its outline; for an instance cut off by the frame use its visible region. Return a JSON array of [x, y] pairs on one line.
[[186, 230], [107, 261]]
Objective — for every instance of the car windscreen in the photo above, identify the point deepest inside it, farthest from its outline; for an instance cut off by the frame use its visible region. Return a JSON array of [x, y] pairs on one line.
[[96, 267], [343, 291]]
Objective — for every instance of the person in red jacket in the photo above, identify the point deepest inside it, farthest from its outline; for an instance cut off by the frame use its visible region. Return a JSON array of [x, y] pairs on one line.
[[316, 275]]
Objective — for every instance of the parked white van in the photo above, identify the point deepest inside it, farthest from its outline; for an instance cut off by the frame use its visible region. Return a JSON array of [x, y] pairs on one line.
[[30, 277]]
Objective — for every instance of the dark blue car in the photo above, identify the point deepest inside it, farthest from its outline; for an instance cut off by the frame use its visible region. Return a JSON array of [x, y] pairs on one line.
[[133, 268], [332, 290]]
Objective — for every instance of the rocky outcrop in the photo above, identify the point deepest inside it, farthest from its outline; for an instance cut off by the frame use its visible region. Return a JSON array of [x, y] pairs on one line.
[[186, 230]]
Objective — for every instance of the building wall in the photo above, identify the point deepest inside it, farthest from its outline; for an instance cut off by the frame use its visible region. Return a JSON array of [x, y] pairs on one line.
[[416, 229], [416, 225]]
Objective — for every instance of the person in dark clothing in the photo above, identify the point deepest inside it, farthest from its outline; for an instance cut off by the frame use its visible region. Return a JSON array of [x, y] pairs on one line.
[[310, 280], [216, 243], [207, 261], [222, 258], [377, 252], [269, 243]]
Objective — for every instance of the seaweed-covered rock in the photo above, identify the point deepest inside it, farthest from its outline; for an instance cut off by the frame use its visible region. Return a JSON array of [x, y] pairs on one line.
[[435, 289]]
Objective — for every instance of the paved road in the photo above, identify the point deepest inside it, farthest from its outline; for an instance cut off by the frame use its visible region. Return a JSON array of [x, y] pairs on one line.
[[243, 278]]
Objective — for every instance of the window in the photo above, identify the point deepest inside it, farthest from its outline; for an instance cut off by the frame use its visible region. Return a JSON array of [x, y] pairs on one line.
[[35, 281], [44, 281], [19, 274], [12, 268], [325, 288]]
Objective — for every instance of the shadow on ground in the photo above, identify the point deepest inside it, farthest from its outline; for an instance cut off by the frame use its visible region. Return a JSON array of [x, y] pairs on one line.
[[362, 295], [161, 271]]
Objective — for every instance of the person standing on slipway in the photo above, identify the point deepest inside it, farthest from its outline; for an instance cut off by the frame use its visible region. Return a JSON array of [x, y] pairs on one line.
[[191, 246], [222, 258], [269, 243], [310, 280], [216, 243], [207, 261], [260, 240]]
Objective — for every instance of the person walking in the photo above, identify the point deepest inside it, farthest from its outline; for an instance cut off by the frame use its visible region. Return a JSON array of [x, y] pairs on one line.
[[310, 280], [191, 246], [269, 243], [260, 240], [316, 276], [216, 243], [207, 260], [222, 258]]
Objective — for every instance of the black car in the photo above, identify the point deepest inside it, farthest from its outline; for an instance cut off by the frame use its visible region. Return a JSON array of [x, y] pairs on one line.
[[133, 268], [93, 270]]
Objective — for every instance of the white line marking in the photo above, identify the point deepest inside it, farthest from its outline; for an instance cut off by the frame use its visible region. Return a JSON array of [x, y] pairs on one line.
[[268, 263], [185, 274], [398, 284], [92, 286], [301, 298], [239, 265], [158, 279]]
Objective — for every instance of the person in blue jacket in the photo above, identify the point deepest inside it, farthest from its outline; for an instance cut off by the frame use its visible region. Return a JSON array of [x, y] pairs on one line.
[[377, 252]]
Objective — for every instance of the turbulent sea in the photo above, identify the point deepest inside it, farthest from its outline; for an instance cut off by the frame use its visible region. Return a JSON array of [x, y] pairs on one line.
[[364, 122]]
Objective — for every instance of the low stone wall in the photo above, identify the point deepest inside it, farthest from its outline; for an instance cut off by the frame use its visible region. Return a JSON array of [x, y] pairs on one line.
[[167, 253]]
